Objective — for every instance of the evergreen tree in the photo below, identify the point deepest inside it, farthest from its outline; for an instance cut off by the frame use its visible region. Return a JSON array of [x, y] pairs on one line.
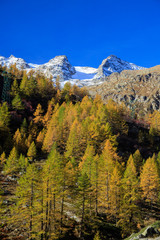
[[17, 103], [52, 189], [12, 161], [40, 138], [97, 236], [49, 112], [76, 143], [24, 126], [108, 160], [24, 83], [84, 189], [115, 192], [23, 163], [138, 161], [38, 115], [14, 88], [149, 180], [26, 202], [4, 115], [2, 159], [19, 141], [87, 166], [32, 152], [130, 212]]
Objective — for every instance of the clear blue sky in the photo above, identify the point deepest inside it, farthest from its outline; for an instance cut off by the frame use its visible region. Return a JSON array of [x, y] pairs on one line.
[[87, 31]]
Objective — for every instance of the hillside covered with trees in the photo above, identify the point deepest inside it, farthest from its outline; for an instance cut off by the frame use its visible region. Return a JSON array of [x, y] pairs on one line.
[[71, 166]]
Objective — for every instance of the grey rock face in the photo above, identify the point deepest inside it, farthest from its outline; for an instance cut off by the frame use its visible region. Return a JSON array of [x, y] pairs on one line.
[[58, 66], [139, 88], [114, 64]]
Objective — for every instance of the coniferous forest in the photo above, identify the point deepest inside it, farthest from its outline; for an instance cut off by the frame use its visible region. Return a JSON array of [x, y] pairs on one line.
[[71, 166]]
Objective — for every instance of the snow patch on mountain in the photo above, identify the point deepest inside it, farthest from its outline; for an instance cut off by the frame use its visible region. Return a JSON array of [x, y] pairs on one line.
[[84, 73]]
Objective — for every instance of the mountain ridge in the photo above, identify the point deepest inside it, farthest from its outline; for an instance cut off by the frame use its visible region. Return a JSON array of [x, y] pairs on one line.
[[81, 76]]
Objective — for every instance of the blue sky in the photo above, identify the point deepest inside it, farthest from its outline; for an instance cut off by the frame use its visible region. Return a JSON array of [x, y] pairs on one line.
[[84, 30]]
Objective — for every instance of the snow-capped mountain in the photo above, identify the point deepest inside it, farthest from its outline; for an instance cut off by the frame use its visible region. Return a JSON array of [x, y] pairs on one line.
[[58, 66], [81, 76], [20, 63], [114, 64]]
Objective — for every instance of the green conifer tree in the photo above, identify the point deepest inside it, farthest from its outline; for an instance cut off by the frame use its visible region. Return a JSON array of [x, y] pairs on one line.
[[17, 103], [149, 180], [26, 202], [11, 164], [32, 152], [84, 189], [130, 212]]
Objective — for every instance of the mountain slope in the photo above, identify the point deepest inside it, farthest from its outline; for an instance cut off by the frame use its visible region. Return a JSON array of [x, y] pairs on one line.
[[138, 87]]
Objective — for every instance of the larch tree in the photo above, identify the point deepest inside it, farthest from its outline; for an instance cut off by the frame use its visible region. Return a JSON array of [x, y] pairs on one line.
[[2, 159], [76, 143], [4, 115], [14, 88], [38, 115], [26, 202], [11, 164], [24, 127], [52, 189], [138, 161], [108, 160], [87, 166], [47, 117], [129, 211], [115, 192], [97, 236], [19, 141], [149, 180], [17, 103], [84, 187], [32, 151]]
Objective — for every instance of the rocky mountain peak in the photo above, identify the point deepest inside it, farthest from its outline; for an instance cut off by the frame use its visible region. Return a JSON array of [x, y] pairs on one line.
[[58, 66], [114, 64], [12, 56], [20, 63], [59, 58]]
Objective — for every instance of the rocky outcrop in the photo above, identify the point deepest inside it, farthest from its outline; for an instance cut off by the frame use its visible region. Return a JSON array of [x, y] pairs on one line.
[[139, 89], [149, 233]]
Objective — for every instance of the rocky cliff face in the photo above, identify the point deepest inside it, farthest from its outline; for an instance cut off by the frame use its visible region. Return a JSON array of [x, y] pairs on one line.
[[139, 88]]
